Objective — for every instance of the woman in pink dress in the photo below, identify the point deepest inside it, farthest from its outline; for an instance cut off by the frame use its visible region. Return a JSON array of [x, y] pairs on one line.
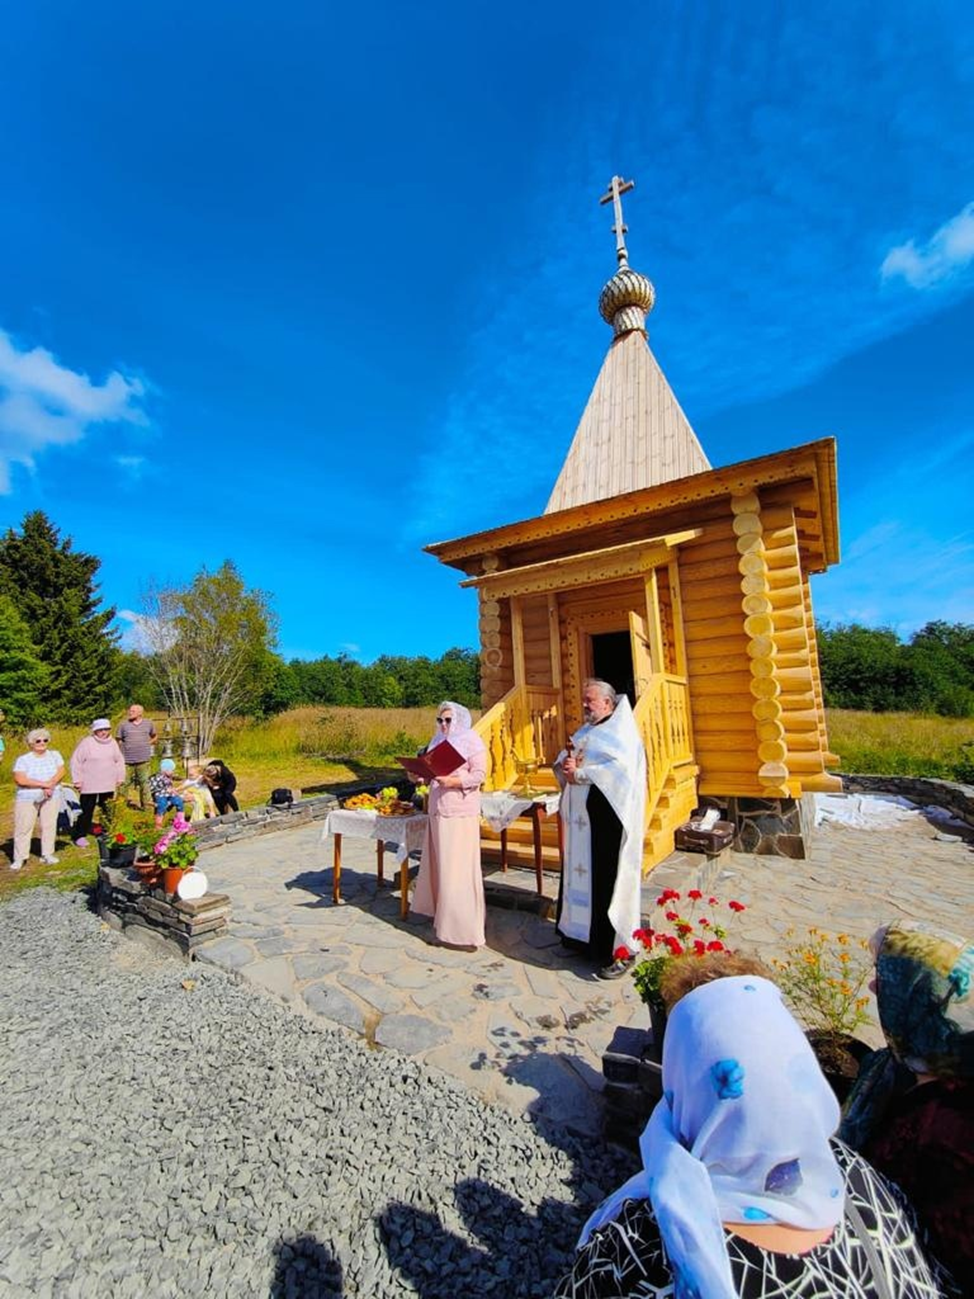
[[450, 887]]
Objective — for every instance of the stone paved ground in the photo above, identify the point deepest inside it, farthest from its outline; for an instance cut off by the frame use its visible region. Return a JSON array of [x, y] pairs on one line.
[[522, 1022]]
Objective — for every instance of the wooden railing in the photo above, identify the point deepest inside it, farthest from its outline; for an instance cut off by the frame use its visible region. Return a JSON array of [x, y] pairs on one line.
[[662, 716], [522, 727], [527, 726]]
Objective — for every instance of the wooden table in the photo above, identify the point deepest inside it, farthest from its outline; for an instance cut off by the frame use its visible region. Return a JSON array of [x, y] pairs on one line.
[[406, 831], [502, 807]]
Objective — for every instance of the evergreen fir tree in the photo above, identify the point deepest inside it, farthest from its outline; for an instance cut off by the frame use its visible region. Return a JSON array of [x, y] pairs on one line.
[[23, 677], [53, 589]]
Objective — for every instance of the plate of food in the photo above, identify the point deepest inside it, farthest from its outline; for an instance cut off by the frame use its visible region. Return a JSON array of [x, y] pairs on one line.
[[396, 808], [362, 803]]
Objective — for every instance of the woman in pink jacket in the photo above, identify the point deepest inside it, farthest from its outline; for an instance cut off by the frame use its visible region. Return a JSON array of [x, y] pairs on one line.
[[97, 770], [450, 887]]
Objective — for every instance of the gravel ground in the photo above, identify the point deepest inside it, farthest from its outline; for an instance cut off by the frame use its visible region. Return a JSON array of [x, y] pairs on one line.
[[166, 1131]]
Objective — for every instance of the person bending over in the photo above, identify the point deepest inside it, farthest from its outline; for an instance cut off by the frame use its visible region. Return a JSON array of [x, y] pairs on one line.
[[222, 782]]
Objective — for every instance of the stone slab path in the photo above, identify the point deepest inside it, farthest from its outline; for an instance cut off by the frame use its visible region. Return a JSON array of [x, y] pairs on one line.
[[524, 1023]]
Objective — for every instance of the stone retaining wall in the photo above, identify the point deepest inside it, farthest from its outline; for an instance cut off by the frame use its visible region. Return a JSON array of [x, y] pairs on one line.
[[261, 820], [633, 1084], [126, 903], [956, 799]]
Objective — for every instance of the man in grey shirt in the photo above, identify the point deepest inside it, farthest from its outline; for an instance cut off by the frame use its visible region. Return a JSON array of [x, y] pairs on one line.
[[137, 738]]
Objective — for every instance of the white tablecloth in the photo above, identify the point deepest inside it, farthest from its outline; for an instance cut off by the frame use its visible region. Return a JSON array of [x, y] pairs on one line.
[[502, 807], [406, 832]]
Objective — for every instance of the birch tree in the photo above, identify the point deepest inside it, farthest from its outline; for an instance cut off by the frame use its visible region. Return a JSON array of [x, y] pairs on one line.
[[211, 645]]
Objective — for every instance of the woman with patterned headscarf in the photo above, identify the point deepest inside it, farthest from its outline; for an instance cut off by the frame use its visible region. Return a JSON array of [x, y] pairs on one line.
[[911, 1111], [450, 887], [744, 1193]]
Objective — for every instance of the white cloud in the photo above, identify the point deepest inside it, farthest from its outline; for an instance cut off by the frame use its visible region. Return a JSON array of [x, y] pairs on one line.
[[134, 466], [947, 252], [45, 404], [142, 634]]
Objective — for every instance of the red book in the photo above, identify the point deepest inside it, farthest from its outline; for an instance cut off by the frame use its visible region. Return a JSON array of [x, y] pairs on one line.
[[441, 760]]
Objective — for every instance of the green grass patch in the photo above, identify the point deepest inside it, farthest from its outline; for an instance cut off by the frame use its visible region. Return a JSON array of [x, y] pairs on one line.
[[903, 744]]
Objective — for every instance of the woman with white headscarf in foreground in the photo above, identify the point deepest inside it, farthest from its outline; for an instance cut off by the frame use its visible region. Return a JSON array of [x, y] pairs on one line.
[[450, 886], [743, 1193]]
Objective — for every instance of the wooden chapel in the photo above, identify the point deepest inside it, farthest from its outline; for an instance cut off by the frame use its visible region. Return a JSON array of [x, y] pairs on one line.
[[684, 585]]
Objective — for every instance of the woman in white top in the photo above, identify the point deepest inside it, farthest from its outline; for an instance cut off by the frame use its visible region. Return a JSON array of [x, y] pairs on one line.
[[37, 775]]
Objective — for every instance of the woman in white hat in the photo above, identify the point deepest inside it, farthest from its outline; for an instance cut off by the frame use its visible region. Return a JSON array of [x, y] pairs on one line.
[[97, 770]]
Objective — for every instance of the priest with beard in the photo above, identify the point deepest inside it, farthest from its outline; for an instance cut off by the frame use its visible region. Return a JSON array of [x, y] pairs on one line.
[[603, 780]]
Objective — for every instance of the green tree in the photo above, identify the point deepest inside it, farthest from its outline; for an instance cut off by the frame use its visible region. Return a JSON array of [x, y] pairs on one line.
[[941, 656], [53, 589], [23, 677], [866, 667], [212, 646], [459, 672], [136, 681], [281, 688]]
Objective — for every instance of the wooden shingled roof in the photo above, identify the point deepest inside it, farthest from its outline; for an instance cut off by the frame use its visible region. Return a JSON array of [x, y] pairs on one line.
[[632, 433]]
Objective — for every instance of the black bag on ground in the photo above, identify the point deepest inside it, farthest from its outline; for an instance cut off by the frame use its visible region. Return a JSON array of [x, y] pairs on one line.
[[280, 798]]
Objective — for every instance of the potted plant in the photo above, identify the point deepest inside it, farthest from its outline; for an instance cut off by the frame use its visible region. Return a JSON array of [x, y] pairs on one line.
[[176, 852], [693, 930], [824, 978], [122, 835]]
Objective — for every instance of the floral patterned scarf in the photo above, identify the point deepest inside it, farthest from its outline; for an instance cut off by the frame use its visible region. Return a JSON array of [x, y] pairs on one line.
[[923, 985]]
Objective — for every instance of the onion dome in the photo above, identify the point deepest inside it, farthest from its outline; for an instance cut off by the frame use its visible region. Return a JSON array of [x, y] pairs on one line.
[[626, 301]]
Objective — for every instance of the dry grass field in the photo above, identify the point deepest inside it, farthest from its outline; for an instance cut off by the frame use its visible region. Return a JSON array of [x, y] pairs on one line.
[[306, 748]]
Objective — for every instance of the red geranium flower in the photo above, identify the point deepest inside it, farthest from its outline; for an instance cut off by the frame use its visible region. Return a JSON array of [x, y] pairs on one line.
[[120, 838], [704, 922], [672, 916], [621, 954], [737, 906], [695, 894], [713, 902], [716, 946], [699, 946]]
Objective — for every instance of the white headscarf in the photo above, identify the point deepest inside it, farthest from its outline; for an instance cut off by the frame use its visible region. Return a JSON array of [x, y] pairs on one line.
[[460, 732], [741, 1134]]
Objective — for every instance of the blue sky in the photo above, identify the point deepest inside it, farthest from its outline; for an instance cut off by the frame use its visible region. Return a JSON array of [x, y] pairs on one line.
[[310, 288]]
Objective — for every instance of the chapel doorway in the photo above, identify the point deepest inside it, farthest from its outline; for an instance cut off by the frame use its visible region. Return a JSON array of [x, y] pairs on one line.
[[612, 662]]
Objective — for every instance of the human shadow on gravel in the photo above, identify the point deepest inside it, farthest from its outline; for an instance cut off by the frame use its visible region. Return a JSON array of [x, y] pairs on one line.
[[305, 1269], [523, 1253]]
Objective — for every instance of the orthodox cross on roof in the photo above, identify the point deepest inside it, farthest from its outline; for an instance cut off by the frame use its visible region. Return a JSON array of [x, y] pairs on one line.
[[618, 187]]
